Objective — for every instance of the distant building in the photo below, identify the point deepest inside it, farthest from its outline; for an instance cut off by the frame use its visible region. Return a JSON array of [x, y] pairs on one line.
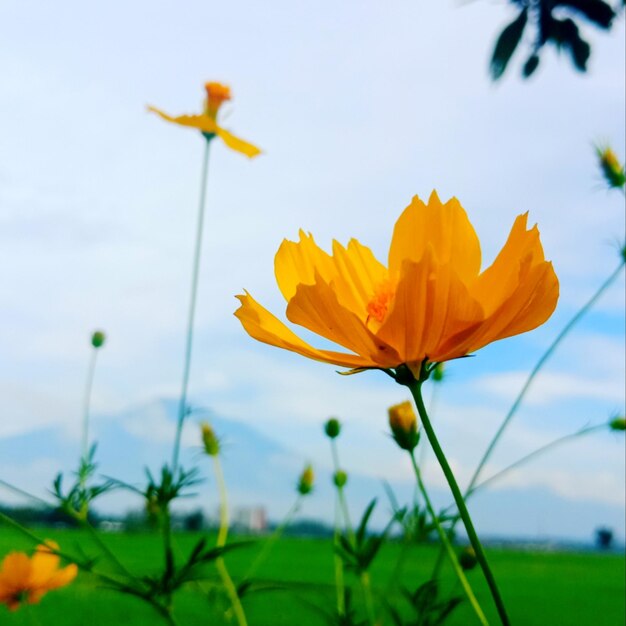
[[251, 519]]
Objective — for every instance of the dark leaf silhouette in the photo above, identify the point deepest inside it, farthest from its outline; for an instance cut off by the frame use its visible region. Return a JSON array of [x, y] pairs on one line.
[[557, 23], [595, 11], [507, 43]]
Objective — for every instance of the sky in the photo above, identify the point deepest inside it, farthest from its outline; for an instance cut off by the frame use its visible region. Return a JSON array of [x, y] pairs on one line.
[[357, 106]]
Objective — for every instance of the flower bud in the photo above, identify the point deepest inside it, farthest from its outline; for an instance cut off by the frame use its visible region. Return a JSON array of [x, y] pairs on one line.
[[467, 558], [153, 508], [403, 424], [438, 373], [612, 169], [209, 440], [340, 478], [97, 339], [305, 483], [332, 428], [618, 423]]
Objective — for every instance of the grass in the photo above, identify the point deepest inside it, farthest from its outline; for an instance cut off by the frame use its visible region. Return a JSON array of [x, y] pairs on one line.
[[564, 589]]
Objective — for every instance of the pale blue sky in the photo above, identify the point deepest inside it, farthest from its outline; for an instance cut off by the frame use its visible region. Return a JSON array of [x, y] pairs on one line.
[[358, 106]]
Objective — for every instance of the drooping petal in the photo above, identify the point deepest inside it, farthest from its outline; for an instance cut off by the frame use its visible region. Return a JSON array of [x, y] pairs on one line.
[[200, 122], [501, 278], [62, 577], [297, 262], [430, 305], [518, 292], [317, 308], [358, 275], [531, 303], [237, 144], [260, 324], [445, 227]]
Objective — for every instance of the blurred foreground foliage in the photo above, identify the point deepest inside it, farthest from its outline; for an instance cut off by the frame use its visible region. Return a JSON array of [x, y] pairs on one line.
[[556, 23]]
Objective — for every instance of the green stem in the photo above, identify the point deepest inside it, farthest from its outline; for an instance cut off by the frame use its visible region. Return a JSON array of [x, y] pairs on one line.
[[339, 579], [105, 548], [416, 390], [84, 523], [343, 505], [87, 402], [367, 595], [524, 390], [540, 363], [272, 539], [222, 535], [533, 454], [26, 494], [182, 407], [447, 545]]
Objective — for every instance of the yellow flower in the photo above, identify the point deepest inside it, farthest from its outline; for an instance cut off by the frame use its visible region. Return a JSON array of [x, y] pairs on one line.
[[431, 302], [24, 579], [206, 122]]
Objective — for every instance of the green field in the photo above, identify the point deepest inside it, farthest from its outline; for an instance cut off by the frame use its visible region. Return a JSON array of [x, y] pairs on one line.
[[556, 589]]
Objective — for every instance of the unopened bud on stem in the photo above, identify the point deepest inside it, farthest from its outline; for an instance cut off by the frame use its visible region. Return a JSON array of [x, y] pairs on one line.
[[403, 424], [209, 440], [97, 339], [305, 483], [332, 428]]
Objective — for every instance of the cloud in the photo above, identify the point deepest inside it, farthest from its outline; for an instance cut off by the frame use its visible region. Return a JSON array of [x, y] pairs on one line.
[[552, 387]]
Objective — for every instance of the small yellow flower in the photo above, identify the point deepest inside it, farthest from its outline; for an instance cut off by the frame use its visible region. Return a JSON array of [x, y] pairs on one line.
[[403, 424], [24, 579], [431, 303], [206, 122]]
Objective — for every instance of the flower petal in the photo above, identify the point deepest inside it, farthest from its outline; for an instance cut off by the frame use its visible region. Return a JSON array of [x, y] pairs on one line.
[[201, 122], [317, 308], [260, 324], [15, 573], [62, 577], [501, 278], [297, 262], [519, 291], [444, 226], [431, 304], [530, 305], [237, 144], [44, 564], [359, 274]]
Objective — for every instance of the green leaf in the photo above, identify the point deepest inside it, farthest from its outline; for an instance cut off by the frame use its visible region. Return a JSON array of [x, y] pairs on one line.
[[530, 66], [506, 44], [360, 533]]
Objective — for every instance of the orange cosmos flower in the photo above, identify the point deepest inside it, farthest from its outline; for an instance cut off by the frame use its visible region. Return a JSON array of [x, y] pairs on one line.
[[431, 302], [206, 122], [24, 579]]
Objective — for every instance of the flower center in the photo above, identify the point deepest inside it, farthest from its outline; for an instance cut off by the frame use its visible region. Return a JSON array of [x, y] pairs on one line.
[[378, 305]]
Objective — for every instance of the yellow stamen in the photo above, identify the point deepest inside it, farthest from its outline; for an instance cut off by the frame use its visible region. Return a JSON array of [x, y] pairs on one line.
[[379, 304]]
